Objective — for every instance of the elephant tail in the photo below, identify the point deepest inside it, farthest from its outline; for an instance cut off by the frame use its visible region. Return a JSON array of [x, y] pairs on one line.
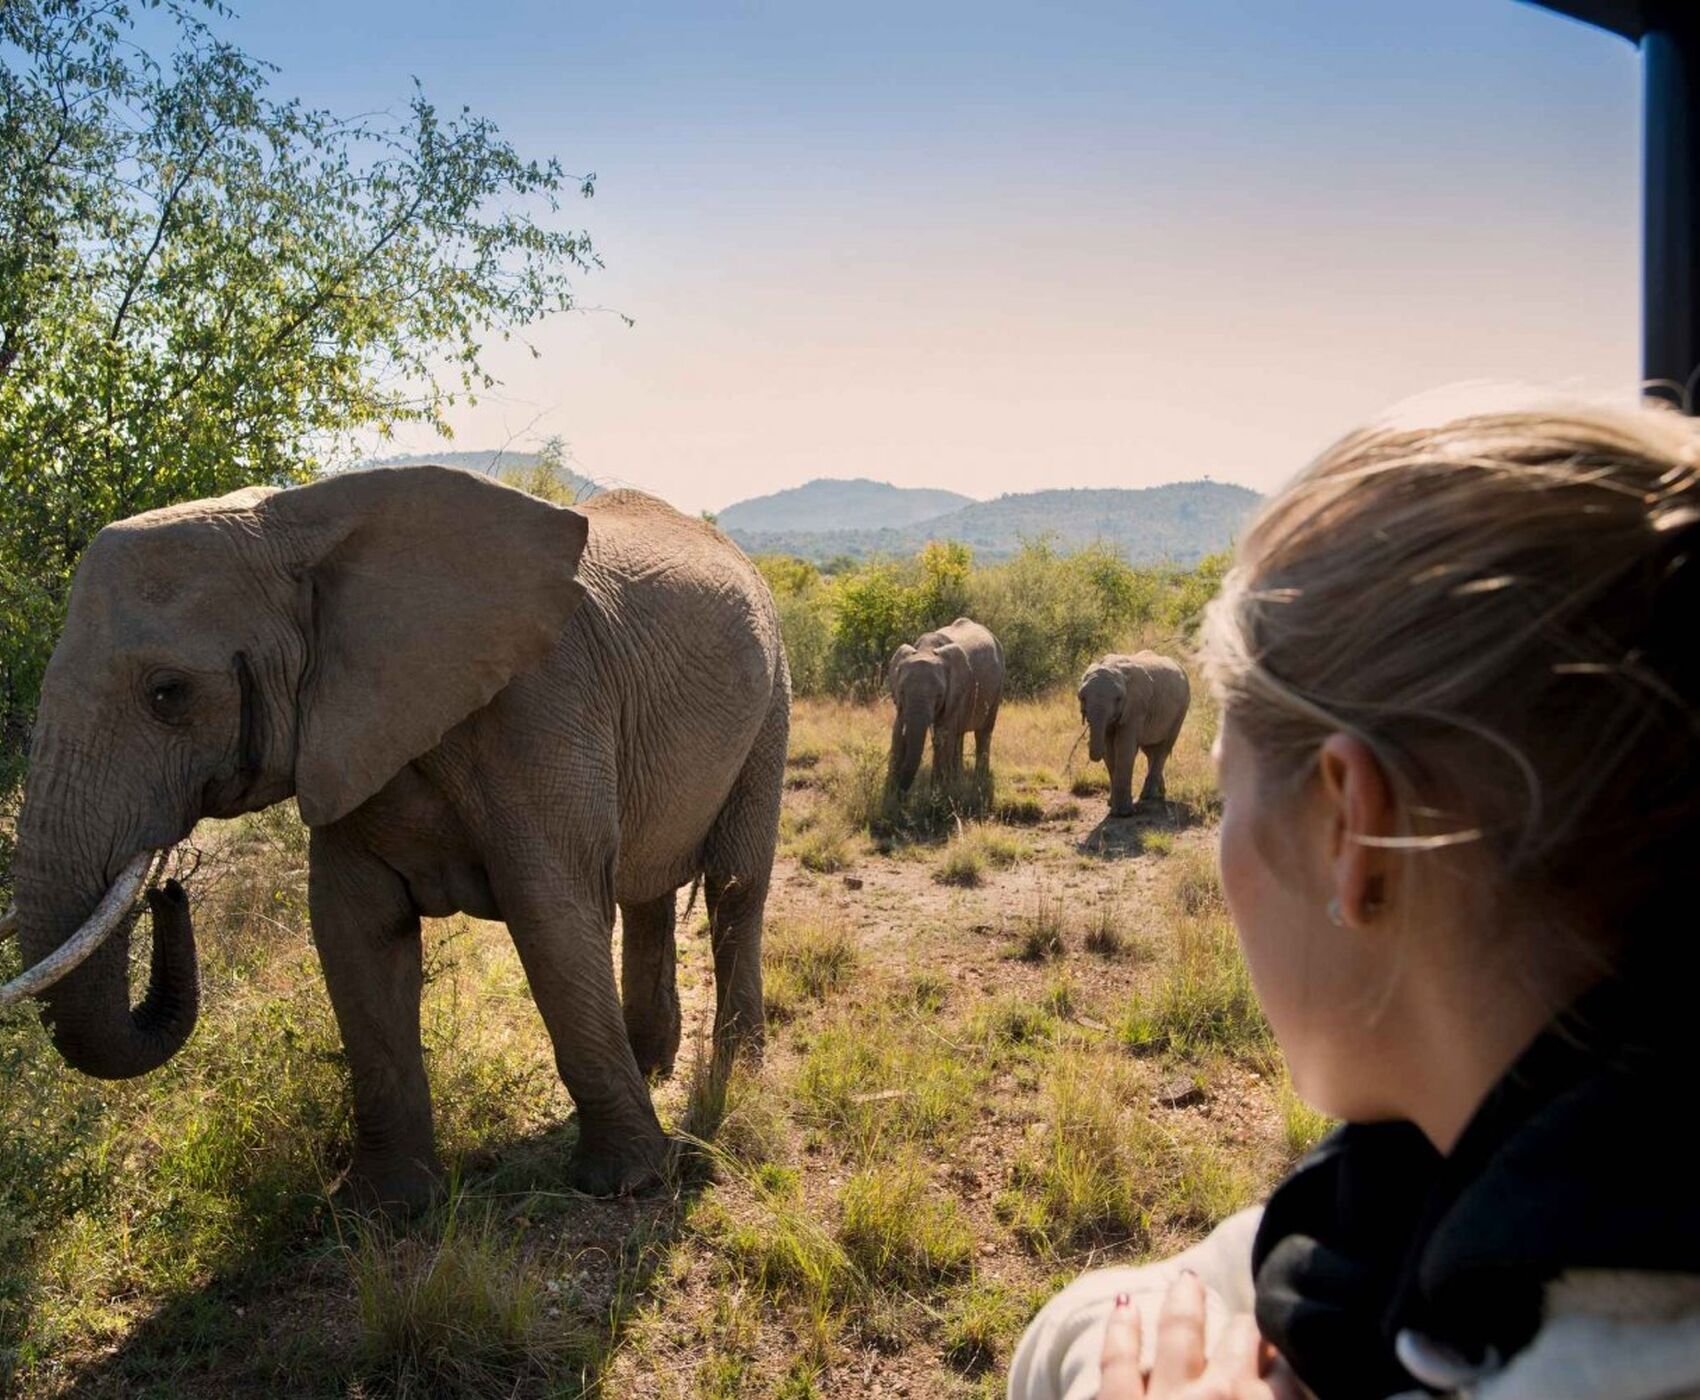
[[691, 902]]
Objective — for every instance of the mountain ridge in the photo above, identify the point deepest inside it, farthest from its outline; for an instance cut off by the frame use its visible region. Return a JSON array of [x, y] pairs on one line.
[[1178, 522], [878, 504]]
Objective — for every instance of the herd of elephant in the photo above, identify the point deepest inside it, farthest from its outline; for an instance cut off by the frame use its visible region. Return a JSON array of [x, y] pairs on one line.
[[950, 682], [483, 704]]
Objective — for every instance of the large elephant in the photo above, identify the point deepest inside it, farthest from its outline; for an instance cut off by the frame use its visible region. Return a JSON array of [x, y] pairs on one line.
[[951, 682], [1133, 704], [483, 704]]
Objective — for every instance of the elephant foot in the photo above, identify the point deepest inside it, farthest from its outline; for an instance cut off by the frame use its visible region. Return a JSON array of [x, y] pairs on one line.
[[395, 1190], [655, 1058], [1123, 813], [614, 1162], [655, 1046]]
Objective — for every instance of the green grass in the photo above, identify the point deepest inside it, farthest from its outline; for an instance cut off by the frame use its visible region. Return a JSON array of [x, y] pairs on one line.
[[923, 993], [1019, 811], [875, 1088], [1039, 930], [1011, 1023], [1090, 1180], [804, 962], [901, 1233], [1104, 934], [1302, 1126], [1203, 998], [974, 850], [460, 1309], [981, 1324]]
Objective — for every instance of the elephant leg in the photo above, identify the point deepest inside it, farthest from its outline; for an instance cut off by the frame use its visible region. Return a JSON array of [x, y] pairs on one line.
[[560, 913], [947, 753], [366, 931], [1156, 759], [648, 990], [737, 866], [1120, 750], [983, 744]]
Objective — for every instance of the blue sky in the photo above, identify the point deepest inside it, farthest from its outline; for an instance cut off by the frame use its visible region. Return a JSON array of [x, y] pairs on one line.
[[998, 246]]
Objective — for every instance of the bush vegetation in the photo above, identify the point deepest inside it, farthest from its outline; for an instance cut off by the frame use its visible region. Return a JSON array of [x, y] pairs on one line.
[[1053, 612]]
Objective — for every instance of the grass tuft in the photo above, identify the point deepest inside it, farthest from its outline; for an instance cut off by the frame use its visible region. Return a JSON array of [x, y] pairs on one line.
[[874, 1087], [1203, 999], [981, 1323], [1039, 931], [804, 962], [899, 1233], [974, 850], [460, 1309]]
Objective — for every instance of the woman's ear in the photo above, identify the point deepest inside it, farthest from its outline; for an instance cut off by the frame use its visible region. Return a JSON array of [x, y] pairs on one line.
[[1362, 814], [423, 592]]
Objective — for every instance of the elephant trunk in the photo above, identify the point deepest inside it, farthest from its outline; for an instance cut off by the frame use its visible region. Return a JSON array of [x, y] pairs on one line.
[[88, 1010], [1096, 730], [908, 739]]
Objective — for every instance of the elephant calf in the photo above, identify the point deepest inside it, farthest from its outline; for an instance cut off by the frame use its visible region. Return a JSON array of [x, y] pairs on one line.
[[483, 704], [951, 682], [1133, 704]]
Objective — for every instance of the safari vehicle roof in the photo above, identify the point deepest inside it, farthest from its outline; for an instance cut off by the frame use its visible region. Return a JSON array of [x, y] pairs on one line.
[[1668, 34]]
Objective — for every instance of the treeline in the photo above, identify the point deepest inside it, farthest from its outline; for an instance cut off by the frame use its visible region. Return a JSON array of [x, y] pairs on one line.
[[1053, 611]]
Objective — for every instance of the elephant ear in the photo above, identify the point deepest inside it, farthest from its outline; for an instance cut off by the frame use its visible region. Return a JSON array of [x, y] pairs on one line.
[[956, 664], [898, 657], [424, 591]]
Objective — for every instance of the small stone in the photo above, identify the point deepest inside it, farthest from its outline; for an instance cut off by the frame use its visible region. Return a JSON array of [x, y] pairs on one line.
[[1182, 1091], [852, 882]]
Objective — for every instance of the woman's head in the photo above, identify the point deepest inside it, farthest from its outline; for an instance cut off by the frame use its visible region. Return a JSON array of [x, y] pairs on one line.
[[1458, 672]]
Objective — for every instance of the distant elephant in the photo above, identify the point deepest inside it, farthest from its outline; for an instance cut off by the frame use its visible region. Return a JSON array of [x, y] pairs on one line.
[[483, 704], [951, 682], [1133, 704]]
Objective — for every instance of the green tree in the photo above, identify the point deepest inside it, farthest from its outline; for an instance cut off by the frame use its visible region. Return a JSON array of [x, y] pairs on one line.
[[204, 286], [549, 477]]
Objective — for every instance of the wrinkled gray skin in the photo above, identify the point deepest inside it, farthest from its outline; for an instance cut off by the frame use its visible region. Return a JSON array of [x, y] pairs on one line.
[[1133, 704], [483, 704], [950, 682]]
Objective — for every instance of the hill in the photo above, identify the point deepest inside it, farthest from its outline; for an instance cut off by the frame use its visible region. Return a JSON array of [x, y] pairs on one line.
[[816, 505], [1178, 523], [489, 463]]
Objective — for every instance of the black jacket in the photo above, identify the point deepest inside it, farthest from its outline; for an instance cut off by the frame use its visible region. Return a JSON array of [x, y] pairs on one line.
[[1579, 1158]]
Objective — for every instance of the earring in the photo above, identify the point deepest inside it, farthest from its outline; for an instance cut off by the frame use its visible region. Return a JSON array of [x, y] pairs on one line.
[[1336, 915]]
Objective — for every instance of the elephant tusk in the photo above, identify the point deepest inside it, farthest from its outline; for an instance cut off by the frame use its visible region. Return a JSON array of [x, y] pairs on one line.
[[108, 914]]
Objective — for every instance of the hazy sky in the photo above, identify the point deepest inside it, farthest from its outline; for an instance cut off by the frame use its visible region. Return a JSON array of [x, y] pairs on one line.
[[994, 246]]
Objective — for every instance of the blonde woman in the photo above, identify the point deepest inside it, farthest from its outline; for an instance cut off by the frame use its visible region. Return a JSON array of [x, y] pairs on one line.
[[1459, 673]]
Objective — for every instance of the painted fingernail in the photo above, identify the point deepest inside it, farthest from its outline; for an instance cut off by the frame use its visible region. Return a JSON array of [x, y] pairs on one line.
[[1123, 1301]]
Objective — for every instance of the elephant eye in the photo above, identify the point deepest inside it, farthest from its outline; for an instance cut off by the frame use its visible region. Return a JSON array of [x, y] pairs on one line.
[[169, 697]]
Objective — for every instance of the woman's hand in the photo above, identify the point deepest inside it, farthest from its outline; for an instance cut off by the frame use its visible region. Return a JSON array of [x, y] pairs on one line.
[[1244, 1367]]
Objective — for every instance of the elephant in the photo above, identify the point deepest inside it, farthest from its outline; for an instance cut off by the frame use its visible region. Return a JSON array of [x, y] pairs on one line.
[[482, 704], [949, 681], [1133, 704]]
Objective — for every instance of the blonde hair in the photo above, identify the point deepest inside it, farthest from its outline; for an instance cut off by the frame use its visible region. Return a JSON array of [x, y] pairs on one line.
[[1504, 610]]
